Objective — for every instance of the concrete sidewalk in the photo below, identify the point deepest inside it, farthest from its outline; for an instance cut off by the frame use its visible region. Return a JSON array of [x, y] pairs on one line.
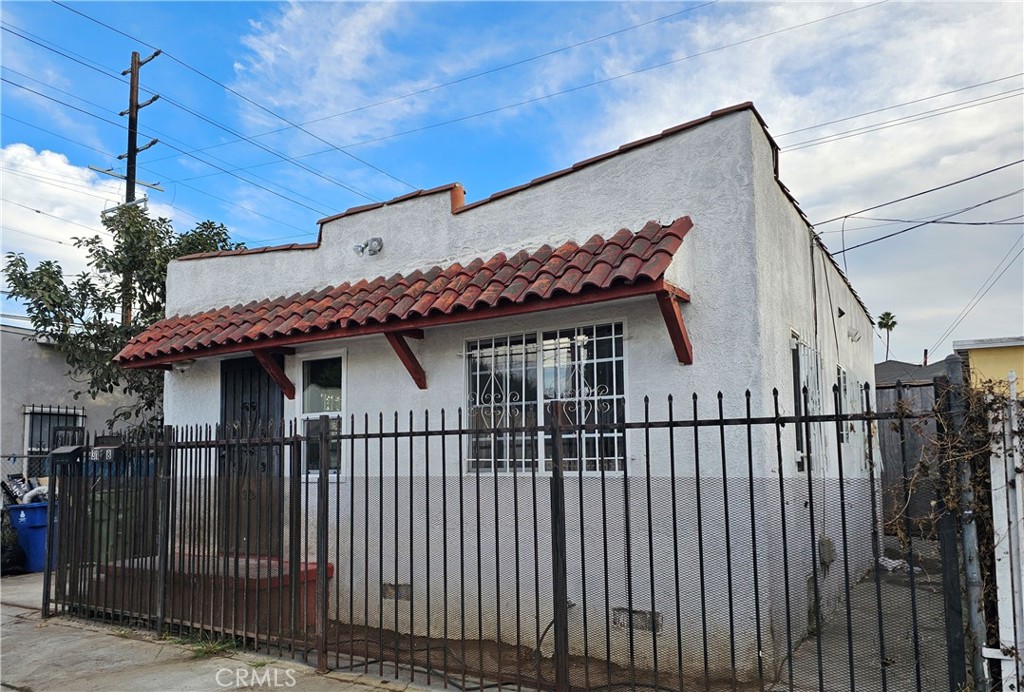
[[72, 655]]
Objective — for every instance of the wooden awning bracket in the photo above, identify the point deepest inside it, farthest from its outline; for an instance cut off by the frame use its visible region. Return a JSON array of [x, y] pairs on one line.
[[405, 354], [266, 360], [668, 301]]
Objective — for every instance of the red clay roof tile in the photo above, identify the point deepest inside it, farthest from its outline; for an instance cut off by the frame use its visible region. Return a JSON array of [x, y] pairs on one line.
[[600, 263]]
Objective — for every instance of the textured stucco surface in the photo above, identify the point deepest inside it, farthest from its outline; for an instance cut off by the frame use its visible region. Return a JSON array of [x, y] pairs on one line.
[[754, 279], [35, 374], [705, 173]]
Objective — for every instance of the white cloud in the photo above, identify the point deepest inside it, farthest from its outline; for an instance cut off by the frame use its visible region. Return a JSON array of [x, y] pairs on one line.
[[41, 185], [862, 61], [312, 60], [48, 201]]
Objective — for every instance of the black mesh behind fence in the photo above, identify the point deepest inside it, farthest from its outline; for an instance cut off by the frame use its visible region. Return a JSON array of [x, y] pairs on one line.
[[707, 560]]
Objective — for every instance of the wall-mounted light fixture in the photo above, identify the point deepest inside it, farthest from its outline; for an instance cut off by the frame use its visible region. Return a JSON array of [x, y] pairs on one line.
[[370, 247], [183, 365]]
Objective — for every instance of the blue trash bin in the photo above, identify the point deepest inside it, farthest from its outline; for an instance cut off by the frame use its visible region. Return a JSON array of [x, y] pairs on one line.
[[30, 523]]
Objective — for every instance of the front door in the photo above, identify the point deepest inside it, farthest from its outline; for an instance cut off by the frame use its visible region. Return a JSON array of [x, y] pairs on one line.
[[252, 407]]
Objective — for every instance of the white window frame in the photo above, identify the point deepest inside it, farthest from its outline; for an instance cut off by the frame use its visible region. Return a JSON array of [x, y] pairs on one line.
[[622, 460], [301, 416], [843, 380], [28, 410]]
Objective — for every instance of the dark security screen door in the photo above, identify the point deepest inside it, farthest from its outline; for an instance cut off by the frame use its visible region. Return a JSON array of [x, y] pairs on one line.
[[252, 406]]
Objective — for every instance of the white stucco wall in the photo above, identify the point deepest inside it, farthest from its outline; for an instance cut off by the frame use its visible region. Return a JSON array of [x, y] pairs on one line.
[[800, 292], [747, 264], [705, 173]]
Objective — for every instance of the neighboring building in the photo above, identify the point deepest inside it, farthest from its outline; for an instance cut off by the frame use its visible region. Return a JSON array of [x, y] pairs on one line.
[[889, 372], [720, 285], [917, 443], [38, 402], [992, 359]]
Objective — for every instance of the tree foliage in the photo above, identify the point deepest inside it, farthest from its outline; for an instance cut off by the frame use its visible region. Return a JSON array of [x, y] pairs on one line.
[[887, 322], [82, 315]]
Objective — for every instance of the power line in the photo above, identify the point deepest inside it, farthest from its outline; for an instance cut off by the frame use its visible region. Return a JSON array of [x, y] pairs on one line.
[[74, 57], [580, 87], [59, 136], [178, 149], [899, 105], [166, 138], [906, 120], [417, 92], [613, 78], [243, 97], [212, 122], [240, 206], [900, 232], [36, 235], [269, 150], [58, 218], [975, 299], [56, 182], [88, 191], [1001, 222], [923, 192]]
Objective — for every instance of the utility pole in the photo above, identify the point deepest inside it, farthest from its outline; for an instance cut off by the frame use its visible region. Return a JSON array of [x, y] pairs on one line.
[[127, 281], [133, 122]]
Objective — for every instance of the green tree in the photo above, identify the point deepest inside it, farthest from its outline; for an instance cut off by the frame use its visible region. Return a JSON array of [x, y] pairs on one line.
[[90, 317], [887, 322]]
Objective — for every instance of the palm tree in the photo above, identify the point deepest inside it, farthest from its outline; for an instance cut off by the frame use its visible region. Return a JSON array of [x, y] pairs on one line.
[[887, 321]]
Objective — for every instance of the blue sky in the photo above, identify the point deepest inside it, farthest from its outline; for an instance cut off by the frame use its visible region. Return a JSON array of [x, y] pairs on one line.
[[399, 96]]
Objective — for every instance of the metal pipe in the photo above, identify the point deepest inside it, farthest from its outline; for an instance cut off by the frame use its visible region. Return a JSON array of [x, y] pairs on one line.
[[969, 530]]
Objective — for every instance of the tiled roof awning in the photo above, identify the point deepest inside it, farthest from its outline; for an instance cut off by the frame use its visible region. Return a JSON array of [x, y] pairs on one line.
[[601, 269]]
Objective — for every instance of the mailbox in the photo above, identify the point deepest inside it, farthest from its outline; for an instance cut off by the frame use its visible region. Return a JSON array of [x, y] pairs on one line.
[[107, 448], [67, 454]]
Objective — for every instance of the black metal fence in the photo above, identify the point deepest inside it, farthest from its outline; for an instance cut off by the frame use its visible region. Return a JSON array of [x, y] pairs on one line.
[[46, 428], [688, 553]]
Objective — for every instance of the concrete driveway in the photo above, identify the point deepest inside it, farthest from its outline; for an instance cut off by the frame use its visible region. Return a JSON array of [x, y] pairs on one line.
[[72, 655]]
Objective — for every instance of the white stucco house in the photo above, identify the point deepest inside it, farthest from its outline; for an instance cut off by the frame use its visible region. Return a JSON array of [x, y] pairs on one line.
[[717, 284]]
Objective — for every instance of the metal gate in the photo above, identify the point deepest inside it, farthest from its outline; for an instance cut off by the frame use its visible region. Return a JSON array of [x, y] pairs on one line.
[[683, 549]]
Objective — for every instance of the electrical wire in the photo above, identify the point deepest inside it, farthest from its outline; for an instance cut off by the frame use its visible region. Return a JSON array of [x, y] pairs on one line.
[[56, 182], [171, 101], [74, 57], [58, 218], [1001, 222], [906, 120], [899, 105], [88, 192], [911, 228], [10, 229], [976, 298], [169, 145], [623, 75], [1009, 221], [243, 207], [241, 96], [923, 192], [59, 136], [392, 99], [579, 87], [166, 137]]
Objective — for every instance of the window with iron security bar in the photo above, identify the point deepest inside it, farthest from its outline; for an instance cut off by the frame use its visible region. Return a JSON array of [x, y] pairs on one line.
[[510, 378], [672, 576], [48, 427]]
